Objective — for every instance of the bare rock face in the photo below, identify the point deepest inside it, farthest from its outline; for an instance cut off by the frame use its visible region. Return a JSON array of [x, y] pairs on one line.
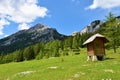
[[92, 27]]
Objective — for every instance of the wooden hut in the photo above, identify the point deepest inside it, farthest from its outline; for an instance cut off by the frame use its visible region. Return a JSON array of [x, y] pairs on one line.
[[95, 47]]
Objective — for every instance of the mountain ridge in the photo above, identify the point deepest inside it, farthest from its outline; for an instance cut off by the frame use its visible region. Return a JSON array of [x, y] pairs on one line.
[[24, 38]]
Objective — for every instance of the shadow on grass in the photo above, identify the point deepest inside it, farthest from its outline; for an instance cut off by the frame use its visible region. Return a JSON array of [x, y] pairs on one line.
[[109, 58], [106, 59]]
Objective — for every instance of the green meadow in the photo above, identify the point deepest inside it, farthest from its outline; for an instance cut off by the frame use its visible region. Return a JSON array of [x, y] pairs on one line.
[[74, 67]]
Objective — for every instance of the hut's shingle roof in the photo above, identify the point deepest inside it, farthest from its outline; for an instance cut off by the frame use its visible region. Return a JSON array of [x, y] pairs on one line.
[[92, 38]]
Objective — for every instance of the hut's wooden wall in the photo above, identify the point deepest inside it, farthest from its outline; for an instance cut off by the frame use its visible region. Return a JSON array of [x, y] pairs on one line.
[[90, 49], [99, 49]]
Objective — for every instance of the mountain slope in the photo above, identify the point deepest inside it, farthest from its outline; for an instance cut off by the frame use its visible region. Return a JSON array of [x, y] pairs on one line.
[[92, 27], [24, 38]]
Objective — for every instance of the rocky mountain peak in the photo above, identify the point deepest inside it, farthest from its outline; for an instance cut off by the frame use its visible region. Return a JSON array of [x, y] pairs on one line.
[[92, 27], [37, 27], [24, 38]]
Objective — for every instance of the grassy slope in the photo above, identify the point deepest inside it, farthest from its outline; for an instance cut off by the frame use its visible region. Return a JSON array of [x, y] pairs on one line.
[[70, 68]]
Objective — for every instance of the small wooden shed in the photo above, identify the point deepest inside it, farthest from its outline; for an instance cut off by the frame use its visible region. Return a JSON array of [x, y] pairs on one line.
[[95, 47]]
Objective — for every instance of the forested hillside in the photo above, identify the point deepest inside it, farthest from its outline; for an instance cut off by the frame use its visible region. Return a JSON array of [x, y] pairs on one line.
[[70, 45]]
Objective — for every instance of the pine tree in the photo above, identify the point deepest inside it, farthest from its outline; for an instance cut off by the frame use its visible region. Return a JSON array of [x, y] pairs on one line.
[[112, 26], [68, 42], [36, 49], [20, 56], [40, 55], [53, 48], [29, 53], [76, 41]]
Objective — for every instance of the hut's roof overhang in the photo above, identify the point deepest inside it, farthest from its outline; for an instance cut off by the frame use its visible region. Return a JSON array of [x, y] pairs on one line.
[[92, 38]]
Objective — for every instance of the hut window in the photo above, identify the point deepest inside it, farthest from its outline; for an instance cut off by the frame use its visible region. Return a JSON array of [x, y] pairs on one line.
[[97, 45]]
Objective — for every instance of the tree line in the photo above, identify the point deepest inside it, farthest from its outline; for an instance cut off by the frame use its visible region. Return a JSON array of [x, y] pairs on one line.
[[38, 51]]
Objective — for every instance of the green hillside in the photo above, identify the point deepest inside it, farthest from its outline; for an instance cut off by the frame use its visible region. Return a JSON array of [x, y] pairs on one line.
[[57, 47], [64, 68]]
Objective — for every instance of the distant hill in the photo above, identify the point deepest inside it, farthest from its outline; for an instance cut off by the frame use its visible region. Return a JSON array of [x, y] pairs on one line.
[[24, 38]]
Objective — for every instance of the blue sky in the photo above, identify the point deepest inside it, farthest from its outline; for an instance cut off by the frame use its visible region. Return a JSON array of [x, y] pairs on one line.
[[67, 16]]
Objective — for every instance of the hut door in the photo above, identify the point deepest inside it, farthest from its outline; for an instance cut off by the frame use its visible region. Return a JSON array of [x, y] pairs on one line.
[[98, 49], [99, 52]]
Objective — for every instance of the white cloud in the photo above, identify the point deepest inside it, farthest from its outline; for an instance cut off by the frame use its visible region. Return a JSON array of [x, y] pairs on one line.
[[104, 4], [23, 26], [28, 13], [21, 11], [3, 22]]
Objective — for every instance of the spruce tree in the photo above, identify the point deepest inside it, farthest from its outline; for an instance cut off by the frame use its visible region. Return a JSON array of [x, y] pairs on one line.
[[29, 53], [111, 31]]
